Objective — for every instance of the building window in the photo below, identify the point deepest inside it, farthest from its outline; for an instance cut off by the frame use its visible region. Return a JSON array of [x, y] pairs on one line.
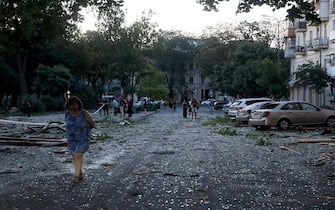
[[190, 66], [191, 80]]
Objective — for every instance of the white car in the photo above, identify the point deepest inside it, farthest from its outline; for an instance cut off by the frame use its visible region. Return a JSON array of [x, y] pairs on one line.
[[243, 115], [242, 103], [225, 108], [208, 102]]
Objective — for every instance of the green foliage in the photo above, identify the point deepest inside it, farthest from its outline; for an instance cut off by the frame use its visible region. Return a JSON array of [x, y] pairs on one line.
[[44, 104], [296, 9], [227, 131], [174, 53], [262, 139], [251, 70], [9, 81], [27, 27], [53, 81], [273, 78], [312, 75], [219, 121], [87, 95], [154, 85], [50, 103]]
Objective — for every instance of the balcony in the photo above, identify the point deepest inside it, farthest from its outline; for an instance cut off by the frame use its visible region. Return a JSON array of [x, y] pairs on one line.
[[324, 10], [289, 32], [332, 9], [318, 44], [300, 26], [300, 50], [289, 52], [332, 71], [332, 36]]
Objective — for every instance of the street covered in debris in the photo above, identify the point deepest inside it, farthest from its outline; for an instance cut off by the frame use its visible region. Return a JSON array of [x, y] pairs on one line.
[[165, 161]]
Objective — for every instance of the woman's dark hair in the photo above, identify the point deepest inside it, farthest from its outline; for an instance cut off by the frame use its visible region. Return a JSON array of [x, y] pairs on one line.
[[72, 100]]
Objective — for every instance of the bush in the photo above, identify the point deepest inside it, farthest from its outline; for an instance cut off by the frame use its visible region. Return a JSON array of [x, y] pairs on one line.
[[87, 95], [52, 103]]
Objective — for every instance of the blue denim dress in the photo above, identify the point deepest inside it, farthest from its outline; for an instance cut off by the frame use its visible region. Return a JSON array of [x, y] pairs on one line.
[[78, 133]]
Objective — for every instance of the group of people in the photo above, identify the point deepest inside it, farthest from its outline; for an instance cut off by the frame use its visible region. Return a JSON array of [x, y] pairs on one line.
[[172, 104], [124, 106], [192, 106]]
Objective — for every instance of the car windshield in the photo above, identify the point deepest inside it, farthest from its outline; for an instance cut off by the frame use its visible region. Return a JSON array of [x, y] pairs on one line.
[[236, 103], [270, 106]]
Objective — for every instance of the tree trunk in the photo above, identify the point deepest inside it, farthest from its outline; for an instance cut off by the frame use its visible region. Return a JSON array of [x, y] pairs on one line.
[[21, 61]]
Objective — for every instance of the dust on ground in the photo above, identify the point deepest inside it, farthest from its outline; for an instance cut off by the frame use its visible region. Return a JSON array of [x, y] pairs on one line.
[[164, 161]]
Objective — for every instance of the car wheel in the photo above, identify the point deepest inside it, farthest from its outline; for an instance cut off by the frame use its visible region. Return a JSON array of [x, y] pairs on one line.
[[330, 122], [283, 124]]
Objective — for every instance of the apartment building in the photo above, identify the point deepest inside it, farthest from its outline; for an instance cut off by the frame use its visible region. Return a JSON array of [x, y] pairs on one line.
[[196, 86], [306, 42]]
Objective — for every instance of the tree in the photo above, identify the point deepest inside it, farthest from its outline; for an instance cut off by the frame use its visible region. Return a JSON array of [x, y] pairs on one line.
[[53, 81], [312, 75], [297, 8], [273, 78], [8, 76], [174, 53], [216, 49], [251, 69], [26, 26], [154, 85]]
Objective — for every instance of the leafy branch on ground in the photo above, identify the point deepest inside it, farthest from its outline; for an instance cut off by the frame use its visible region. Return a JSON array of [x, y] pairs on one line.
[[219, 120], [227, 131], [262, 139]]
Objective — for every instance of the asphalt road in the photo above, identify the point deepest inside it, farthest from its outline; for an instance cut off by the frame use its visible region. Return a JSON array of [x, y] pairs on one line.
[[164, 161]]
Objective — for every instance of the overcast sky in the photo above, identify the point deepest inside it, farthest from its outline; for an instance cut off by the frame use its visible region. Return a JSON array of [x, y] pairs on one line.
[[188, 16]]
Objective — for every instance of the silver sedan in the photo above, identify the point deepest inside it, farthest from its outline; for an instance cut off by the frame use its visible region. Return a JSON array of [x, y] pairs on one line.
[[291, 113]]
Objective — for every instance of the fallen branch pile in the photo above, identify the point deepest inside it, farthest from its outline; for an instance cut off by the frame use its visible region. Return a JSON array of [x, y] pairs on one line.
[[21, 133]]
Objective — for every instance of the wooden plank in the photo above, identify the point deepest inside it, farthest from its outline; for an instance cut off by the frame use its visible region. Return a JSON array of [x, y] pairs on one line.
[[286, 148], [21, 122], [31, 143], [11, 138], [316, 140]]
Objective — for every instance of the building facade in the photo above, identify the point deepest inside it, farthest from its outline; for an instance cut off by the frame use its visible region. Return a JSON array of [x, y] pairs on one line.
[[306, 42]]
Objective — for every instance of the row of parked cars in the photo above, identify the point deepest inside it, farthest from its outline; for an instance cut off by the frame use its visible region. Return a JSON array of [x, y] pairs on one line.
[[266, 113]]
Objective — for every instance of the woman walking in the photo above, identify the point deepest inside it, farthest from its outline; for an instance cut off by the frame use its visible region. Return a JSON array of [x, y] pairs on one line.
[[78, 126]]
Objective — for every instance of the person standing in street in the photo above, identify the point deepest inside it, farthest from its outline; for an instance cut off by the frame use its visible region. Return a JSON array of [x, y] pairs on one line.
[[122, 107], [28, 106], [194, 108], [115, 106], [105, 107], [130, 107], [184, 105], [78, 126], [145, 106]]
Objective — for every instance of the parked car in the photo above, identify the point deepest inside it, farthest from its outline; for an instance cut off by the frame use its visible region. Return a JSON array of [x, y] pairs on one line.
[[208, 101], [242, 103], [289, 113], [225, 107], [138, 105], [220, 104], [243, 115]]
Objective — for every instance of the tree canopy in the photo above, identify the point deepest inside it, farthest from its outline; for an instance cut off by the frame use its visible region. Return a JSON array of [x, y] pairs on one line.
[[313, 75], [296, 8]]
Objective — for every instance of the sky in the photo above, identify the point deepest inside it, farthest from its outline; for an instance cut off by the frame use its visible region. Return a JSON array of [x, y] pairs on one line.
[[188, 16]]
